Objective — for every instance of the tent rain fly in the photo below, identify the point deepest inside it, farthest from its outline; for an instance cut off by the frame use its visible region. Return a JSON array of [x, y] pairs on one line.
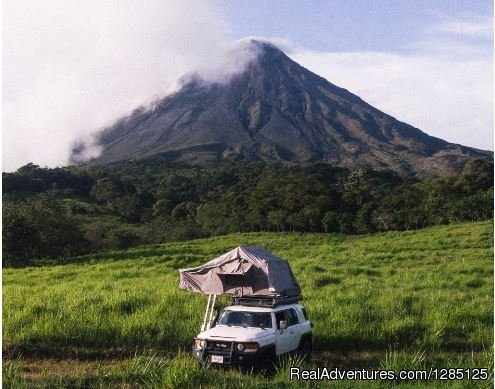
[[246, 270]]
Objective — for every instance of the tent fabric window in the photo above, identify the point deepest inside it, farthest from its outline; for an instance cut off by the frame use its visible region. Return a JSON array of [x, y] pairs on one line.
[[233, 280]]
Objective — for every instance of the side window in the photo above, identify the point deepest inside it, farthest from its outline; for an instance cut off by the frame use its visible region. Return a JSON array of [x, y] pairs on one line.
[[305, 313], [292, 317], [280, 316]]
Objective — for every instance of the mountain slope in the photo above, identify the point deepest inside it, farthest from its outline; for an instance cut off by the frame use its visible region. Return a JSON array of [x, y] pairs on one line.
[[277, 110]]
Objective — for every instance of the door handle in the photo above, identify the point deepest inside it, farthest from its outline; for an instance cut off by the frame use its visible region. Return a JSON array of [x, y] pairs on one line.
[[291, 332]]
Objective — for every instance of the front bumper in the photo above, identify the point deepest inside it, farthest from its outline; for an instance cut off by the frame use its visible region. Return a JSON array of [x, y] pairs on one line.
[[230, 357]]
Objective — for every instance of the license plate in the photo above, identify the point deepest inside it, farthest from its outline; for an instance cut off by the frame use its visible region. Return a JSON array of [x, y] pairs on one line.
[[217, 359]]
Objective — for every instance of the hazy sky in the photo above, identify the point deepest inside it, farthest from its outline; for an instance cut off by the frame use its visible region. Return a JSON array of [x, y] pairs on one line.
[[71, 67], [348, 25]]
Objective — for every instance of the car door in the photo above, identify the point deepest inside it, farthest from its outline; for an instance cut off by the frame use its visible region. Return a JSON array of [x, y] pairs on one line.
[[293, 328], [283, 337]]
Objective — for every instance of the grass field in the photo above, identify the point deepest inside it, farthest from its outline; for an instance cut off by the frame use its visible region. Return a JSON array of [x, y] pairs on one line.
[[390, 301]]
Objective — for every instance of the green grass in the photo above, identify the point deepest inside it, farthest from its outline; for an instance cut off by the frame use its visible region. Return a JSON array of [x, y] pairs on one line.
[[410, 299]]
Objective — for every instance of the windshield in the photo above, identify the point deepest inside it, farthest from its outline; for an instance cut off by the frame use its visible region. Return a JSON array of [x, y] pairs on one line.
[[246, 319]]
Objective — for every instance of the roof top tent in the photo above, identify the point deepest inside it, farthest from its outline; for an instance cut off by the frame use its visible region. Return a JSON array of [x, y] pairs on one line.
[[250, 274], [245, 270]]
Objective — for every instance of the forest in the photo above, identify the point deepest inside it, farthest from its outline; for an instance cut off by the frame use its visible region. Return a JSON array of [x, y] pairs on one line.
[[64, 212]]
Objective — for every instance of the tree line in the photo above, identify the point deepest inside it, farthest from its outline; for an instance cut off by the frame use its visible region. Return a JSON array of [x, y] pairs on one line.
[[65, 212]]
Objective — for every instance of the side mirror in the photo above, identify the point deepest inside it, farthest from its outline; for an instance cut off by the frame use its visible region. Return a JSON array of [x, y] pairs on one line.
[[283, 324]]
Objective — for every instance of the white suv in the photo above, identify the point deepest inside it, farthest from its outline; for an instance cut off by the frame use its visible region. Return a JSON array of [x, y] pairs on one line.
[[255, 335]]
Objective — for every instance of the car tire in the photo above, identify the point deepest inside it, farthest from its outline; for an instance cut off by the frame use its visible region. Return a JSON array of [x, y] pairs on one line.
[[267, 362], [306, 349]]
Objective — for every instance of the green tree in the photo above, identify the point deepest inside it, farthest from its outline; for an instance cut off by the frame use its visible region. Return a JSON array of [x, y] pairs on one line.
[[19, 237], [124, 237], [105, 191], [477, 175], [330, 221], [278, 219], [43, 230]]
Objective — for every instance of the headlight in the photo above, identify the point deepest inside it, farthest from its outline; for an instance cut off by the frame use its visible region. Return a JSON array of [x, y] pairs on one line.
[[247, 347], [199, 343]]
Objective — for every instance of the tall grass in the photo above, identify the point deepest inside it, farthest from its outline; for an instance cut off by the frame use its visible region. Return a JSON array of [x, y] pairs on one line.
[[425, 294]]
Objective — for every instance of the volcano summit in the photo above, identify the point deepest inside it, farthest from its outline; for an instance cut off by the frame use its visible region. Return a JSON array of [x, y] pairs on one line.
[[276, 110]]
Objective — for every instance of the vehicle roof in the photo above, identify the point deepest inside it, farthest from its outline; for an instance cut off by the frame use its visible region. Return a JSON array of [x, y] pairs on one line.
[[262, 309]]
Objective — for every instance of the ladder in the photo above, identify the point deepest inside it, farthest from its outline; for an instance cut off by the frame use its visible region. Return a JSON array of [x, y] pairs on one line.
[[210, 306]]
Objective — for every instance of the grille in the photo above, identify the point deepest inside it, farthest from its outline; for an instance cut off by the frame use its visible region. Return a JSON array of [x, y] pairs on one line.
[[218, 345]]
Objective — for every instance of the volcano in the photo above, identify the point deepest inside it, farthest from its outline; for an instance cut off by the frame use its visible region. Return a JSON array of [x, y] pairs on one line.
[[276, 110]]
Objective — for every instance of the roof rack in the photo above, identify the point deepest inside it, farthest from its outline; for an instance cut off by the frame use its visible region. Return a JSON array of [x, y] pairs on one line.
[[265, 301]]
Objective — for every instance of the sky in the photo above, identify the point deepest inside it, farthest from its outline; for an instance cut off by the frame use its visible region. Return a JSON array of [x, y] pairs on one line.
[[71, 68]]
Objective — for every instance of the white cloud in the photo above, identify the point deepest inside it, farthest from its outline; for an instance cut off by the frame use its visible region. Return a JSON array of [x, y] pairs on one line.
[[71, 67], [455, 37], [470, 26]]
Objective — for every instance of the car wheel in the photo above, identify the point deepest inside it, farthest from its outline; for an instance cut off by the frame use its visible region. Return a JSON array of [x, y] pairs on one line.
[[306, 349], [267, 363]]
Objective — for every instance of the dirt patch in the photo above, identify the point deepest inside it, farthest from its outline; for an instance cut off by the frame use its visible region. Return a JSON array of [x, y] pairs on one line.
[[34, 369], [348, 360], [75, 353]]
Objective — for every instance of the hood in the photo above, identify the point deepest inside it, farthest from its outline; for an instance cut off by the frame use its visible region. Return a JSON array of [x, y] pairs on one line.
[[222, 332]]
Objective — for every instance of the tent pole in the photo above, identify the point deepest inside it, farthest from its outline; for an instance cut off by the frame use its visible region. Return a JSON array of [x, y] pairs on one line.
[[203, 327], [211, 310]]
